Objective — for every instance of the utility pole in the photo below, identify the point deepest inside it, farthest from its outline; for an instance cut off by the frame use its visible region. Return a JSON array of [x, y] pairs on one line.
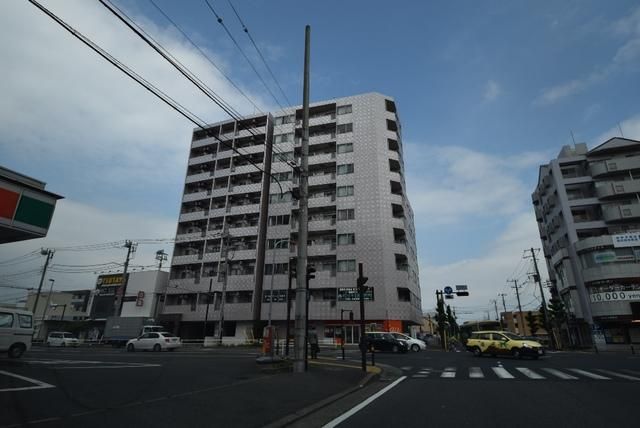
[[131, 248], [504, 307], [537, 279], [495, 304], [46, 306], [49, 255], [362, 280], [161, 256], [225, 248], [301, 270], [517, 288], [206, 314], [292, 273]]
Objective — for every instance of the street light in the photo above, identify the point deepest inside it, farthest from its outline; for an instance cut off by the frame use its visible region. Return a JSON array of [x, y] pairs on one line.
[[64, 309], [273, 271]]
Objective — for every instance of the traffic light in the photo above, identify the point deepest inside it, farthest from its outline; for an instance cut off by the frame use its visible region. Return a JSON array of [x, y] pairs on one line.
[[292, 268], [362, 280], [310, 272]]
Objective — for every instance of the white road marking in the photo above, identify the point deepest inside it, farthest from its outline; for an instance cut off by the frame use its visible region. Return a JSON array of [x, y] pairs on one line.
[[529, 373], [91, 364], [560, 374], [633, 372], [475, 373], [502, 373], [589, 374], [38, 384], [420, 375], [620, 375], [449, 372], [362, 405], [406, 368]]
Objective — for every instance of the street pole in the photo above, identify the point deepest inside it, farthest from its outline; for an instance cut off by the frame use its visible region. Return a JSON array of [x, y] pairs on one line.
[[287, 332], [49, 253], [306, 323], [273, 271], [225, 244], [495, 304], [131, 248], [517, 288], [64, 309], [537, 278], [44, 313], [206, 314], [363, 340], [504, 307], [301, 291]]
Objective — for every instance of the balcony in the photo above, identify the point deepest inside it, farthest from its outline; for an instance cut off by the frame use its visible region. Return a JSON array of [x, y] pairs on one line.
[[322, 202], [583, 202], [612, 189], [242, 254], [190, 236], [538, 210], [243, 209], [199, 177], [201, 159], [244, 231], [203, 142], [257, 148], [247, 188], [196, 215], [319, 225], [611, 271], [196, 196], [217, 212], [316, 180], [219, 191], [323, 158], [622, 212], [211, 257], [615, 166], [321, 250], [322, 120], [244, 169], [594, 242], [186, 259]]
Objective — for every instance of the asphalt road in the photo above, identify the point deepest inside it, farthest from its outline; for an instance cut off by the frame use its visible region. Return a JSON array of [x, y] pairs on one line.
[[436, 388], [112, 388]]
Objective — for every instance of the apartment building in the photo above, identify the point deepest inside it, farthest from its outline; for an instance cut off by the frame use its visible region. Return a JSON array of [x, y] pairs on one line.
[[587, 204], [358, 213]]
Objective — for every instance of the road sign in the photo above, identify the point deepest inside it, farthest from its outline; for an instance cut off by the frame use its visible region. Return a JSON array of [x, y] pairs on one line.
[[461, 288], [448, 290], [448, 296]]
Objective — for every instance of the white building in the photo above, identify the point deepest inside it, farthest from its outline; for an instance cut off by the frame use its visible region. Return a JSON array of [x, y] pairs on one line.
[[358, 213]]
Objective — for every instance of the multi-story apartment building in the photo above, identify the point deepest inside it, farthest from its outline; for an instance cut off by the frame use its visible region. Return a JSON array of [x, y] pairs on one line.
[[587, 203], [358, 213]]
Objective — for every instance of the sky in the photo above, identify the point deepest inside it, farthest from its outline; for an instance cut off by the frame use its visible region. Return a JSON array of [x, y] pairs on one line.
[[486, 92]]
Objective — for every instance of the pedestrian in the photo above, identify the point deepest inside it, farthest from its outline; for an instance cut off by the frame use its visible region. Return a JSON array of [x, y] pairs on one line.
[[313, 344]]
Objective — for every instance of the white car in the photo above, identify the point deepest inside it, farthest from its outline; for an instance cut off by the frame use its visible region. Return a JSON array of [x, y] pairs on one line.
[[154, 342], [61, 338], [16, 329], [415, 345]]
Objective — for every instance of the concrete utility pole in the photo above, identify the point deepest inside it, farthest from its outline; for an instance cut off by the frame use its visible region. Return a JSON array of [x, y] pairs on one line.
[[131, 248], [161, 256], [225, 248], [292, 273], [49, 253], [504, 307], [517, 288], [537, 278], [273, 271], [301, 270], [495, 304], [206, 314], [46, 306]]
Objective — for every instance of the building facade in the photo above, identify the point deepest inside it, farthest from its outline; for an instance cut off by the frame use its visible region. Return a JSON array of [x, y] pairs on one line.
[[587, 204], [518, 323], [358, 213], [56, 307]]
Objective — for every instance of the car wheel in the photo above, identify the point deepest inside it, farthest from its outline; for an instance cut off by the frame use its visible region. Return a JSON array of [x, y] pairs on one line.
[[131, 348], [16, 351], [157, 347], [395, 349], [516, 353], [415, 348], [477, 352]]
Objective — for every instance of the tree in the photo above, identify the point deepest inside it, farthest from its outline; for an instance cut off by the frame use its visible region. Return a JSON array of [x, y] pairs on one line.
[[441, 318], [451, 319], [533, 322], [557, 315]]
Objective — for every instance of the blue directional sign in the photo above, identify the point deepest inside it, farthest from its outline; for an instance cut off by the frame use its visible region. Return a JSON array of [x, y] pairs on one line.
[[448, 290]]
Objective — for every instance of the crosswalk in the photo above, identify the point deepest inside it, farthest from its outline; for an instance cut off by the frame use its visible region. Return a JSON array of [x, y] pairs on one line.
[[527, 373]]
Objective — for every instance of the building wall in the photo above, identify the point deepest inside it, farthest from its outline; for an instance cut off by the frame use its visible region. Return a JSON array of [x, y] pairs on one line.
[[153, 284], [516, 322], [211, 205]]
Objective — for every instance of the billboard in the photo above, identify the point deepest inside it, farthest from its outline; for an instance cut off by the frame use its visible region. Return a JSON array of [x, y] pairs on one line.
[[631, 239], [350, 294], [110, 284]]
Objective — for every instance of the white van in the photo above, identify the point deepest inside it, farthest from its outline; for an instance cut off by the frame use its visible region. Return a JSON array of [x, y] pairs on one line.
[[16, 331]]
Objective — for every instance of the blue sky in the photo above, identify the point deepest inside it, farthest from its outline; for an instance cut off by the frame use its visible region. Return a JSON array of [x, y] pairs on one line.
[[486, 92]]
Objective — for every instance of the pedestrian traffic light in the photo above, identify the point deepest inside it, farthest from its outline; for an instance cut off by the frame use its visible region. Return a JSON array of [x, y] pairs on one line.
[[310, 272]]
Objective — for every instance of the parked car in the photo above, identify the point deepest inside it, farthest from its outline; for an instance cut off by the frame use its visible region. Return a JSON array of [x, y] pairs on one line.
[[384, 341], [16, 330], [503, 343], [415, 345], [61, 338], [154, 341]]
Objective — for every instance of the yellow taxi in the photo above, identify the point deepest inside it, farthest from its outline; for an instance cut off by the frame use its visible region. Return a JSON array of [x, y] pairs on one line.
[[503, 343]]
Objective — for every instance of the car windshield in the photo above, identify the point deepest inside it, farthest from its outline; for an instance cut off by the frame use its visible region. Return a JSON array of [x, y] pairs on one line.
[[512, 336], [68, 336], [168, 335]]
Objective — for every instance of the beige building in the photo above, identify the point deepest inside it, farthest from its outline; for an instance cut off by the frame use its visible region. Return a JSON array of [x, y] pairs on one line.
[[59, 306], [516, 322]]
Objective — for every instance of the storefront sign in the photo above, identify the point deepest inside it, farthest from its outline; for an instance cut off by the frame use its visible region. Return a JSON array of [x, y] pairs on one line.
[[604, 257], [626, 240], [615, 296]]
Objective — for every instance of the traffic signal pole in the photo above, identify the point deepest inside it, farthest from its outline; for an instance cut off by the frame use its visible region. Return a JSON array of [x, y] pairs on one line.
[[362, 280]]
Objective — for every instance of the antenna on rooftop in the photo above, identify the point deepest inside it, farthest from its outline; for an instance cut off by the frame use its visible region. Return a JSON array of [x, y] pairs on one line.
[[572, 137], [620, 129]]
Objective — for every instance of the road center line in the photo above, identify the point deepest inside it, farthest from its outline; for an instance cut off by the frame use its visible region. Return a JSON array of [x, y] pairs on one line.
[[362, 405]]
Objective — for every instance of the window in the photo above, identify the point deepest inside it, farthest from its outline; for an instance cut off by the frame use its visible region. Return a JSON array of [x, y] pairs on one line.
[[347, 168], [404, 295], [283, 157], [348, 214], [278, 220], [277, 198], [344, 109], [345, 148], [283, 120], [344, 128], [283, 138], [281, 243], [345, 190], [281, 176], [346, 238], [25, 321], [346, 265], [280, 268], [6, 320]]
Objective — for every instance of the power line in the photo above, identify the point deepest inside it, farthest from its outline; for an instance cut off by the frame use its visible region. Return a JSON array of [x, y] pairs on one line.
[[220, 21], [264, 61], [205, 56]]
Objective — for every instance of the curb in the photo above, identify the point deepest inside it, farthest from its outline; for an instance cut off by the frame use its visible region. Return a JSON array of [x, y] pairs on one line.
[[296, 416]]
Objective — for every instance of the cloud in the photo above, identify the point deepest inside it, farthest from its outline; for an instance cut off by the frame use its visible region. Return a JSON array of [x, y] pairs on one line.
[[487, 274], [492, 90], [462, 182], [630, 129], [556, 93], [76, 224]]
